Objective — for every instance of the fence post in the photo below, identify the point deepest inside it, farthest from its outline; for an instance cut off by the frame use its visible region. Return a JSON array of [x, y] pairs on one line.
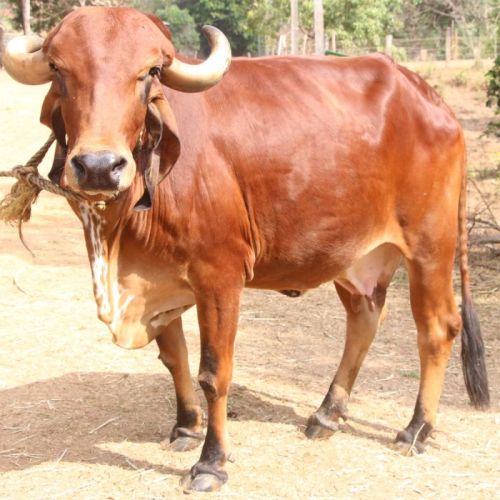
[[477, 52], [388, 45], [304, 44], [447, 46], [454, 44], [282, 45]]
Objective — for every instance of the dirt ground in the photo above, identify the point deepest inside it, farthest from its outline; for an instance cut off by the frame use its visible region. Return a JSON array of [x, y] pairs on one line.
[[82, 419]]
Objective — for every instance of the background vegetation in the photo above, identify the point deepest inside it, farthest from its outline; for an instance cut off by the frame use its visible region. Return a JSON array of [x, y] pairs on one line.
[[253, 26]]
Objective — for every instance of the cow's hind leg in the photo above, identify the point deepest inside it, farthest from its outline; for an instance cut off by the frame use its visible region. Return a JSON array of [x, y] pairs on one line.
[[363, 319], [438, 323], [187, 431]]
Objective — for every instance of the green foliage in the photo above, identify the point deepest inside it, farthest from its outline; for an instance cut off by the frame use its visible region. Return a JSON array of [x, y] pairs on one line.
[[8, 14], [493, 90], [254, 25], [399, 54], [44, 13], [265, 18], [493, 94], [230, 16], [357, 22], [183, 28], [459, 80]]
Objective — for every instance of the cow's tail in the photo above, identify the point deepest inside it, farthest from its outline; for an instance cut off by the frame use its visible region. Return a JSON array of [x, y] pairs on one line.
[[473, 363]]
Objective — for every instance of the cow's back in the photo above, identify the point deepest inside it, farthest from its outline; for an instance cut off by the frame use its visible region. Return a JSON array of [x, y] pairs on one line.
[[324, 157]]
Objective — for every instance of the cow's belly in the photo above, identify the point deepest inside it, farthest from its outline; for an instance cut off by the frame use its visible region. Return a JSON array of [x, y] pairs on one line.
[[359, 273]]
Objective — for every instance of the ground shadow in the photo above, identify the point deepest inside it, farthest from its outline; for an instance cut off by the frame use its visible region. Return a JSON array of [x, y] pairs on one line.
[[79, 411]]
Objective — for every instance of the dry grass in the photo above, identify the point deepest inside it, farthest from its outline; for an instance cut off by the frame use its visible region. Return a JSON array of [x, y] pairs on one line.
[[80, 418]]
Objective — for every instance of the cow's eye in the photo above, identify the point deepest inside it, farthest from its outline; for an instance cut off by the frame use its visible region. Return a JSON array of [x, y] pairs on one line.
[[53, 67], [155, 71]]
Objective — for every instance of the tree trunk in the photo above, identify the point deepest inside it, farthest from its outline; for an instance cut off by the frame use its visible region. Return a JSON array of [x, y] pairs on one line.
[[26, 16], [319, 29], [1, 45], [294, 32]]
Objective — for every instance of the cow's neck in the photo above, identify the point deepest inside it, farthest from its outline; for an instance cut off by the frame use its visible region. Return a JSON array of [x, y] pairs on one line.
[[104, 231], [99, 238]]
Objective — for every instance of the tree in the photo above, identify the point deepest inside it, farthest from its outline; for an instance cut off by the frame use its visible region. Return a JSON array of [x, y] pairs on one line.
[[26, 16], [294, 26], [493, 94], [45, 14], [183, 28], [474, 19], [230, 16], [360, 22], [319, 27]]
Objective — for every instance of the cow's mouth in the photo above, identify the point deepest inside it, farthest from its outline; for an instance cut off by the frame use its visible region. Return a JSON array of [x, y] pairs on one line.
[[101, 196]]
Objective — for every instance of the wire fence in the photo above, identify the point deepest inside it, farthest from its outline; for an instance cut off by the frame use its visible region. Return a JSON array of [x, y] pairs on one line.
[[442, 47]]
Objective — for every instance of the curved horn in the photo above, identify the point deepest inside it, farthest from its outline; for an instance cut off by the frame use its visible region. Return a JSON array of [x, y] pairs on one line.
[[24, 60], [197, 77]]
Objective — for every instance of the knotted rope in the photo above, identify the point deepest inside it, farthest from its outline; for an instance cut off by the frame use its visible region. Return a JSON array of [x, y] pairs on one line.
[[16, 206]]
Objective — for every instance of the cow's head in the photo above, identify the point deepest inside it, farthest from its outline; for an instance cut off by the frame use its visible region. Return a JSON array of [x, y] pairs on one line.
[[106, 105]]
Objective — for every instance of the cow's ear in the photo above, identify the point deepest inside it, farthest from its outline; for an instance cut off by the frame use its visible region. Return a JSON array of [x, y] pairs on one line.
[[169, 147], [162, 138], [61, 148], [51, 116], [50, 102]]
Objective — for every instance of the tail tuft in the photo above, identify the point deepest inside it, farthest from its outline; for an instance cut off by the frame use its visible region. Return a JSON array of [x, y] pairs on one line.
[[473, 364]]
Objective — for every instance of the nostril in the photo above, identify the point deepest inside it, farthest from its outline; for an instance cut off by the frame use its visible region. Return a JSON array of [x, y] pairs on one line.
[[78, 166], [119, 164]]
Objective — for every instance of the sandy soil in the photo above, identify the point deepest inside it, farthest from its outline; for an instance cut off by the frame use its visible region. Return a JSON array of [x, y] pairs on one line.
[[81, 418]]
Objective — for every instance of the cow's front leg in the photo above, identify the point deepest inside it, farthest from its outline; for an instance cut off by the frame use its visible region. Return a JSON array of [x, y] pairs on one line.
[[187, 431], [218, 309]]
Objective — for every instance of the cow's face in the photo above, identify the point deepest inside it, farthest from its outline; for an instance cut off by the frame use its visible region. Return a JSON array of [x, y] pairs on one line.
[[106, 102]]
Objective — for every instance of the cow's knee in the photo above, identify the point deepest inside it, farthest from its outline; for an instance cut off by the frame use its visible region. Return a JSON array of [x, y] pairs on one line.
[[437, 334], [208, 382]]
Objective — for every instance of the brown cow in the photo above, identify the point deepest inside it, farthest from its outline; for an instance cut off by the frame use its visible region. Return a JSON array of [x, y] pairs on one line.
[[289, 173]]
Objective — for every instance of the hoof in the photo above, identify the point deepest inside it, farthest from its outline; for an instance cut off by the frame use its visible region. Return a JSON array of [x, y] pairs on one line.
[[201, 482], [180, 444], [183, 439], [320, 427], [407, 445]]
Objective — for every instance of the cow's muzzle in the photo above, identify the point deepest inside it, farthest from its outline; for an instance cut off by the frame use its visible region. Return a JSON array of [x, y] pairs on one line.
[[98, 170]]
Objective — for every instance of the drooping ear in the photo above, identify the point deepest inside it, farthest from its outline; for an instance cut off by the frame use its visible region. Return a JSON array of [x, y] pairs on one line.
[[170, 144], [58, 126], [51, 116], [61, 149], [161, 138], [50, 102], [57, 169]]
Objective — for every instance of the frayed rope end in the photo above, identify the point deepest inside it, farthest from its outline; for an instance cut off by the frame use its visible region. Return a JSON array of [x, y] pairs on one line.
[[16, 206]]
